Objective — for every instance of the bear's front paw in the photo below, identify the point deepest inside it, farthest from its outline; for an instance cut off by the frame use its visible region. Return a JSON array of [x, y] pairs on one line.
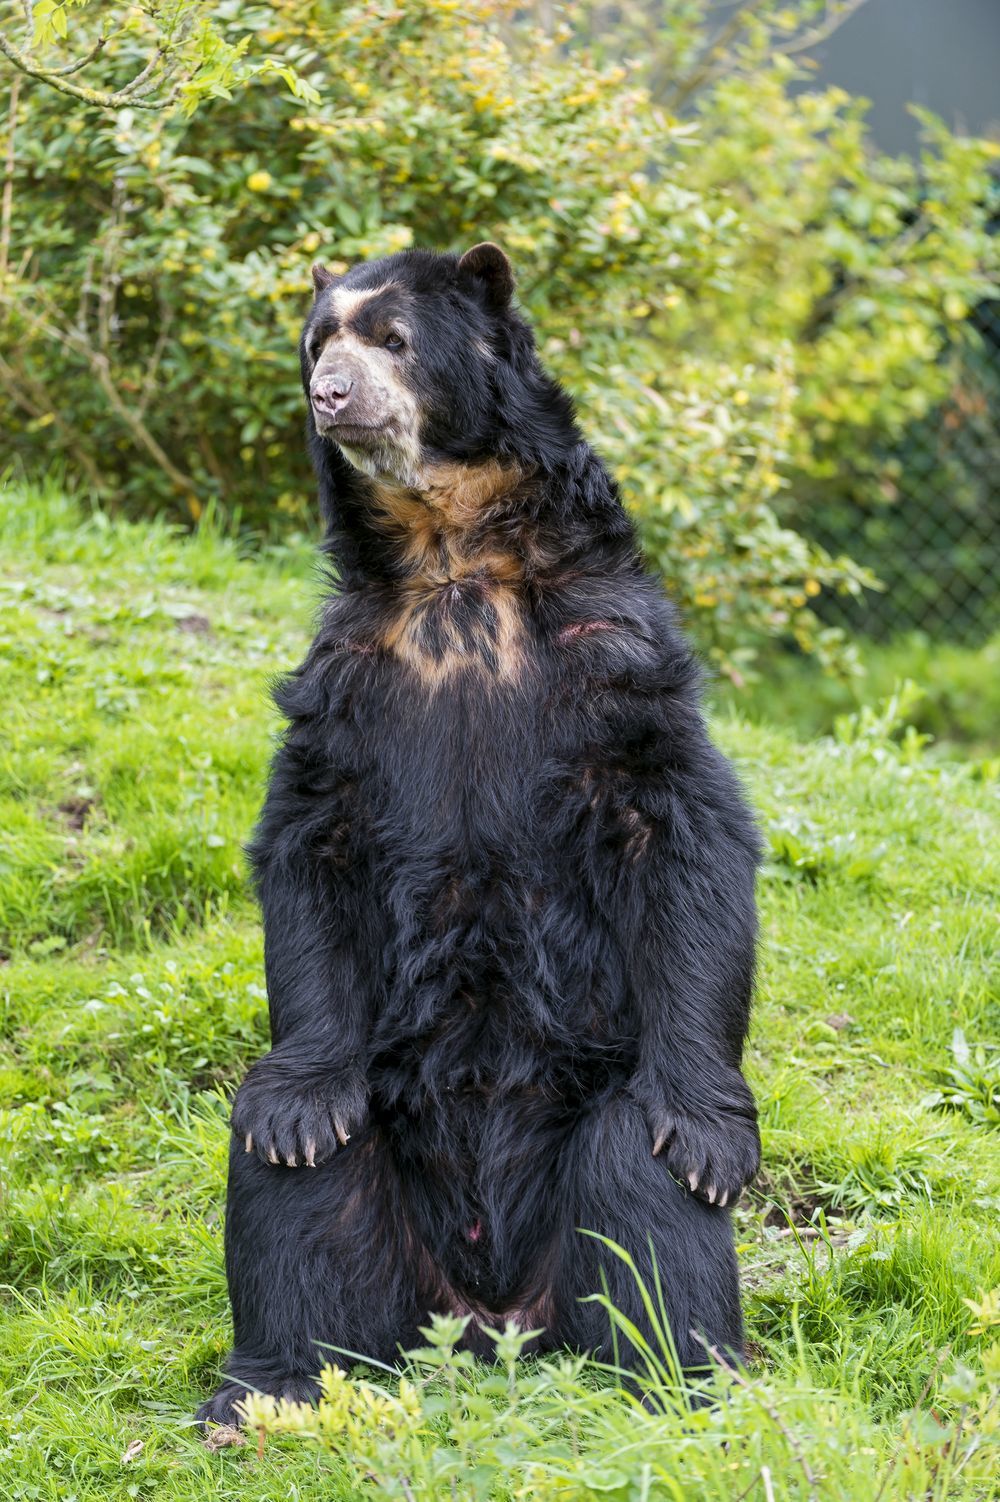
[[716, 1155], [300, 1121]]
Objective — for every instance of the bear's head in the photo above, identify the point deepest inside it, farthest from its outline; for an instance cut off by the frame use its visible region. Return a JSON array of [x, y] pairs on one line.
[[420, 358]]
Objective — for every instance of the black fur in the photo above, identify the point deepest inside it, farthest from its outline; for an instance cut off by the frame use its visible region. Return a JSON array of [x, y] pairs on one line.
[[509, 920]]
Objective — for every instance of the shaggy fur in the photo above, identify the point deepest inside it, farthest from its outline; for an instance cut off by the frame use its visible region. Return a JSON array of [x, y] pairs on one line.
[[506, 879]]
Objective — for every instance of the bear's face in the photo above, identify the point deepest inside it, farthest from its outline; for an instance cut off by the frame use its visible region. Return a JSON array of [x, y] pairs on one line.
[[398, 355]]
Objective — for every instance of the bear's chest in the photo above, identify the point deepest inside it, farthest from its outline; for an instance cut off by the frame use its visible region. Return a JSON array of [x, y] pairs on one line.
[[479, 746], [456, 772]]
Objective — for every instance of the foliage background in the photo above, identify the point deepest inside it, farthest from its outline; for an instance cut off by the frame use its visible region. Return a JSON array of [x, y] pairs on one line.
[[746, 299]]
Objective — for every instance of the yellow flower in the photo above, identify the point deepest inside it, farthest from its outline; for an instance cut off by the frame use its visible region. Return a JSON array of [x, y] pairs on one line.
[[259, 182]]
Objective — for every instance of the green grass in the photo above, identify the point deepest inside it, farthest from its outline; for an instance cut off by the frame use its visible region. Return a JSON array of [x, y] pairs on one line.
[[134, 665]]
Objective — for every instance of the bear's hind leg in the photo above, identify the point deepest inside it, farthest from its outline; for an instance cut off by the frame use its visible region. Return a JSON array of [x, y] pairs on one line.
[[617, 1189], [315, 1258]]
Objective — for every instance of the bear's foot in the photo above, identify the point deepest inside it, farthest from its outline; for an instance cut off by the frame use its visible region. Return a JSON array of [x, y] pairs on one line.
[[221, 1407]]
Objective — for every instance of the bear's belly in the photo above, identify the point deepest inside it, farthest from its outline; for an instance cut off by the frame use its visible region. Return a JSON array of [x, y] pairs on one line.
[[501, 971], [499, 985]]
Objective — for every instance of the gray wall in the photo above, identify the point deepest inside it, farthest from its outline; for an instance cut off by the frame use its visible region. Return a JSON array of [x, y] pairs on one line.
[[944, 54]]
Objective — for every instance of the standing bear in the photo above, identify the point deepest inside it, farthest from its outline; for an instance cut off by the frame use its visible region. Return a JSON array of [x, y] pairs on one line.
[[507, 881]]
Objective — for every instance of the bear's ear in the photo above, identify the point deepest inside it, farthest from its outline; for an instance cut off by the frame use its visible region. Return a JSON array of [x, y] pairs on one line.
[[321, 277], [492, 270]]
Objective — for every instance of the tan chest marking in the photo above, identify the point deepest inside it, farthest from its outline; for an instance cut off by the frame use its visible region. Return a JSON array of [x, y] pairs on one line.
[[459, 604]]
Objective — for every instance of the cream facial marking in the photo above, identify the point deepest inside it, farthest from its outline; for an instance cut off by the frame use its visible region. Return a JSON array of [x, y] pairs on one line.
[[347, 300], [360, 398]]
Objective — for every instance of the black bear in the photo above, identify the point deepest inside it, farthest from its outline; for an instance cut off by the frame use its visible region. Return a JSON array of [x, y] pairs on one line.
[[507, 881]]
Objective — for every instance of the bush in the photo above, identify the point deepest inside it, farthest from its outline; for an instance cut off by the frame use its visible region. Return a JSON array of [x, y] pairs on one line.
[[959, 707], [736, 297]]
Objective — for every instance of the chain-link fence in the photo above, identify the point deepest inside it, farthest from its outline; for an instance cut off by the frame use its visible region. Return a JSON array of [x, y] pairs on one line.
[[928, 521]]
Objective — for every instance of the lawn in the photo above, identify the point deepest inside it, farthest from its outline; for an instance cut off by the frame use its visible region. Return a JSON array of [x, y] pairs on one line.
[[134, 665]]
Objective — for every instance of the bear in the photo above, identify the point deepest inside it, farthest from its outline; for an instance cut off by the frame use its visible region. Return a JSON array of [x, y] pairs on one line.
[[506, 881]]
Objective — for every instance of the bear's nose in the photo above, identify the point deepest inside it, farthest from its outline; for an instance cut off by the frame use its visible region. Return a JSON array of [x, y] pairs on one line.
[[330, 393]]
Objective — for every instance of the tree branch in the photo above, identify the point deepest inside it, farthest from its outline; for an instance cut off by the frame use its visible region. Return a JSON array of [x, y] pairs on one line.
[[149, 378], [59, 79], [47, 323], [82, 62], [839, 13], [25, 392], [7, 201], [710, 61], [716, 57]]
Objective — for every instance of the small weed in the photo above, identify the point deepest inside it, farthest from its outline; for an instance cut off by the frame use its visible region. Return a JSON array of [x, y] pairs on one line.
[[970, 1084], [796, 851], [881, 1169], [566, 1433], [883, 730]]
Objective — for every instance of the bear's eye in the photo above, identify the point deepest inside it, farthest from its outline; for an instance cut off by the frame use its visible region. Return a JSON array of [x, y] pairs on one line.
[[314, 347], [393, 341]]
